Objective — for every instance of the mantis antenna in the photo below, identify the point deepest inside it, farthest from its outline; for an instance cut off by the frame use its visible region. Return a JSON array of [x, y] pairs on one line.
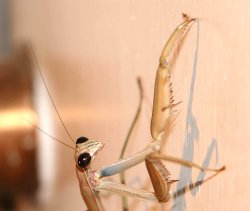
[[47, 89], [40, 129]]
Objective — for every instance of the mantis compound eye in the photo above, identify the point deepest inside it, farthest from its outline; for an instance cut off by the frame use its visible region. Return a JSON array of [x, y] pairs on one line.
[[84, 160], [81, 140]]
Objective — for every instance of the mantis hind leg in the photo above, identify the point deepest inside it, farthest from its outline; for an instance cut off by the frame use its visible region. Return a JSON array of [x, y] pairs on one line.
[[183, 162], [191, 186]]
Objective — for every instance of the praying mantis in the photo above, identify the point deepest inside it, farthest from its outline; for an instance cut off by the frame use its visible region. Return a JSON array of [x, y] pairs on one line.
[[91, 182], [163, 116]]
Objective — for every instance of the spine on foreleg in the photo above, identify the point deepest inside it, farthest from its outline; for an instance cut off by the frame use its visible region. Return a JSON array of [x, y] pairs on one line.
[[160, 178]]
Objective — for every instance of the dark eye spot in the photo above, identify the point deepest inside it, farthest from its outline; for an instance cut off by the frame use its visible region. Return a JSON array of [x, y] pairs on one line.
[[84, 159], [81, 140]]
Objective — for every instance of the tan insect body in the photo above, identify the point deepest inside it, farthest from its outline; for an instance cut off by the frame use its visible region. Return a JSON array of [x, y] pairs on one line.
[[91, 181]]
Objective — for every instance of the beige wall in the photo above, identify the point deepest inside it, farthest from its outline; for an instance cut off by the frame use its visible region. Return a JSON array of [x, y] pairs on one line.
[[91, 53]]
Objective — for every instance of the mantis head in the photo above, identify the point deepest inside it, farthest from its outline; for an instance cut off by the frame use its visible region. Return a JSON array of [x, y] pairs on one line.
[[86, 150]]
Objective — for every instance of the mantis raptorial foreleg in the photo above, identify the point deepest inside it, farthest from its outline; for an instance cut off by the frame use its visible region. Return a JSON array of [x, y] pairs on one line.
[[151, 158], [163, 104], [128, 162], [124, 190], [161, 122]]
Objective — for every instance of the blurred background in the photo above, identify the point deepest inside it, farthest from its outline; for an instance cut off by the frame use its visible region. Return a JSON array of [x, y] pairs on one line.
[[90, 53]]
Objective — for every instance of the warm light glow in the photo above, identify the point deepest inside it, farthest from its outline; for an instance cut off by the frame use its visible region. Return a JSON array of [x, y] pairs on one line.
[[16, 119]]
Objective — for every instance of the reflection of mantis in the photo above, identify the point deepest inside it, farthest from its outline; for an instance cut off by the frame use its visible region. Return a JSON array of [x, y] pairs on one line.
[[91, 182]]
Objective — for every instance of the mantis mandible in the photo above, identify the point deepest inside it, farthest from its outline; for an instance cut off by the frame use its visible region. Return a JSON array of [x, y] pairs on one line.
[[163, 115]]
